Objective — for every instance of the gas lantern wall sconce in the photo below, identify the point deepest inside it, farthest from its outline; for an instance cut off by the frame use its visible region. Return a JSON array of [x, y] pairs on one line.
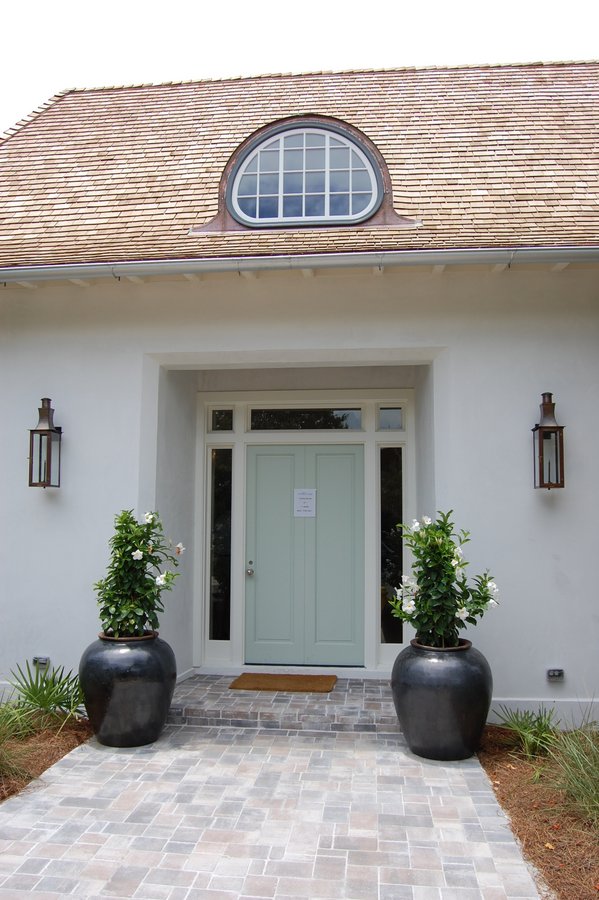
[[44, 449], [548, 447]]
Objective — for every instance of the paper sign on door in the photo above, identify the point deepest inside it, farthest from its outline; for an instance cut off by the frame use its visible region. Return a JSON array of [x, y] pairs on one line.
[[304, 503]]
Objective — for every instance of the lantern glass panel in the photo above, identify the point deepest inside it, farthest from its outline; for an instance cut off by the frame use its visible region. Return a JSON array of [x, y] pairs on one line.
[[548, 457], [551, 473], [44, 459], [55, 460], [39, 458]]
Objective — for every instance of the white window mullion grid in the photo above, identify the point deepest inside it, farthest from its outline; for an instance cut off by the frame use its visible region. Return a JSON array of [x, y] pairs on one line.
[[258, 185], [303, 175], [327, 176], [281, 175], [303, 217]]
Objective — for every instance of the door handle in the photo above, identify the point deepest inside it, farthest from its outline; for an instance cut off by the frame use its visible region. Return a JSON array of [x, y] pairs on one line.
[[249, 571]]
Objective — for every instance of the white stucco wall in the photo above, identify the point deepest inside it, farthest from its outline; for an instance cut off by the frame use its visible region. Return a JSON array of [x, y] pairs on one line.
[[480, 348], [175, 498]]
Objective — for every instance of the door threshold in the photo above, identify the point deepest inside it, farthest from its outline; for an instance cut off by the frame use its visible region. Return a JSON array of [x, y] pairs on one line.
[[359, 672]]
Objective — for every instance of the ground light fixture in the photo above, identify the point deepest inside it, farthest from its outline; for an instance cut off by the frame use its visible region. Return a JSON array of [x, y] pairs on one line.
[[548, 447], [44, 449]]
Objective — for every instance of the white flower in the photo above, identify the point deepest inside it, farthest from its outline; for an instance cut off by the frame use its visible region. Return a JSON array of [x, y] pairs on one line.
[[492, 588], [415, 525], [179, 549], [409, 607], [455, 561], [149, 518], [493, 602], [427, 520], [462, 613], [137, 554], [161, 579], [457, 551]]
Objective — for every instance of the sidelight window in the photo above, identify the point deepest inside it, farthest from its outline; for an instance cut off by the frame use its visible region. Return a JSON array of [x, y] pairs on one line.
[[220, 543], [391, 505]]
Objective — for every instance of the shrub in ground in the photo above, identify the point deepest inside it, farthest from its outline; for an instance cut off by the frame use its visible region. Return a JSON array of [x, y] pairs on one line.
[[576, 757], [16, 724]]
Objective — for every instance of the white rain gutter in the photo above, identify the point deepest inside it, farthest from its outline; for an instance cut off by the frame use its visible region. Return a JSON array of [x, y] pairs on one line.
[[390, 258]]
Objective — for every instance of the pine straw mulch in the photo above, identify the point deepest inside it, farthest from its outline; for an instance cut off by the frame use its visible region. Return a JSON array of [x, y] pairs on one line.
[[563, 849], [41, 750]]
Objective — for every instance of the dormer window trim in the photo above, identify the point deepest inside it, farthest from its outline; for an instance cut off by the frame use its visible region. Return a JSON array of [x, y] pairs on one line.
[[305, 173]]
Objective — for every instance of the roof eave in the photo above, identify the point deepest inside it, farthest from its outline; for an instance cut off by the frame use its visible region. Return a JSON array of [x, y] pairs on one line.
[[507, 257]]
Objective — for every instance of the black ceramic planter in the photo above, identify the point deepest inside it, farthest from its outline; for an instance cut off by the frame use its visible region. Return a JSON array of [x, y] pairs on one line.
[[442, 699], [128, 686]]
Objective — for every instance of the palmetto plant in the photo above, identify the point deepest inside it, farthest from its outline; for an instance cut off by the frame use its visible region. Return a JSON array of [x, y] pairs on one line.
[[53, 693], [40, 700], [535, 732]]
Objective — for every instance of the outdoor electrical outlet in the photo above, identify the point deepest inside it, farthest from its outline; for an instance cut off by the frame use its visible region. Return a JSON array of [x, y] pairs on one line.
[[555, 674], [42, 662]]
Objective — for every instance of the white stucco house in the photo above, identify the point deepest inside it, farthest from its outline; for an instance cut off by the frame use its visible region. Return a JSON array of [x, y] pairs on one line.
[[288, 312]]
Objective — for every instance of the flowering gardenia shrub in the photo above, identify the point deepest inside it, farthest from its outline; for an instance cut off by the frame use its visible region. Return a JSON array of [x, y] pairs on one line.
[[129, 596], [436, 598]]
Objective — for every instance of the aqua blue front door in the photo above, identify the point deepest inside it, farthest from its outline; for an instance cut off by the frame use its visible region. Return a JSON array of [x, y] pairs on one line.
[[305, 555]]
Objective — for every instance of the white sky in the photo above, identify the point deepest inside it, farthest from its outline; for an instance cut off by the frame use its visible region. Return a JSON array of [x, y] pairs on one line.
[[49, 46]]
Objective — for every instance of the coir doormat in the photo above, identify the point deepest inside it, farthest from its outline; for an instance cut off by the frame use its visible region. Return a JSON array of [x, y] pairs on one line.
[[256, 681]]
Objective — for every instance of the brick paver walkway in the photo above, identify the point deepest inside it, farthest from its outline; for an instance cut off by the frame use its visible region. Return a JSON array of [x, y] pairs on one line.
[[229, 812]]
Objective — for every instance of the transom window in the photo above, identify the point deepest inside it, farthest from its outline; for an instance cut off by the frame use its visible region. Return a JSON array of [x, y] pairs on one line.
[[305, 419], [305, 175]]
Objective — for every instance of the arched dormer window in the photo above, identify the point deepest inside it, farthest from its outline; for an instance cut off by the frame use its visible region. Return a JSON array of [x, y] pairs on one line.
[[305, 173]]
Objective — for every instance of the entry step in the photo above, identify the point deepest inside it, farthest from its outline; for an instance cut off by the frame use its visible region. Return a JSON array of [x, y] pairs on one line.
[[354, 705]]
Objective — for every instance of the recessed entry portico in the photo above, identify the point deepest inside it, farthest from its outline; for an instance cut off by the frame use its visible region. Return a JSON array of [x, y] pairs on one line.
[[302, 492]]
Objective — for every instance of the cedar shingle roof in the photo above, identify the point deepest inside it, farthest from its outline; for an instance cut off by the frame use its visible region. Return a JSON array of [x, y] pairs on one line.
[[485, 157]]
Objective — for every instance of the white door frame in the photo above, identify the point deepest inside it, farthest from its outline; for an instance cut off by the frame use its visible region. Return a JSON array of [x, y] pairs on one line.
[[229, 655]]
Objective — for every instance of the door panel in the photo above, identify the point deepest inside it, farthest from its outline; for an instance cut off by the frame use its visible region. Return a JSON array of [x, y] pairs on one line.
[[304, 602], [273, 593], [334, 557]]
